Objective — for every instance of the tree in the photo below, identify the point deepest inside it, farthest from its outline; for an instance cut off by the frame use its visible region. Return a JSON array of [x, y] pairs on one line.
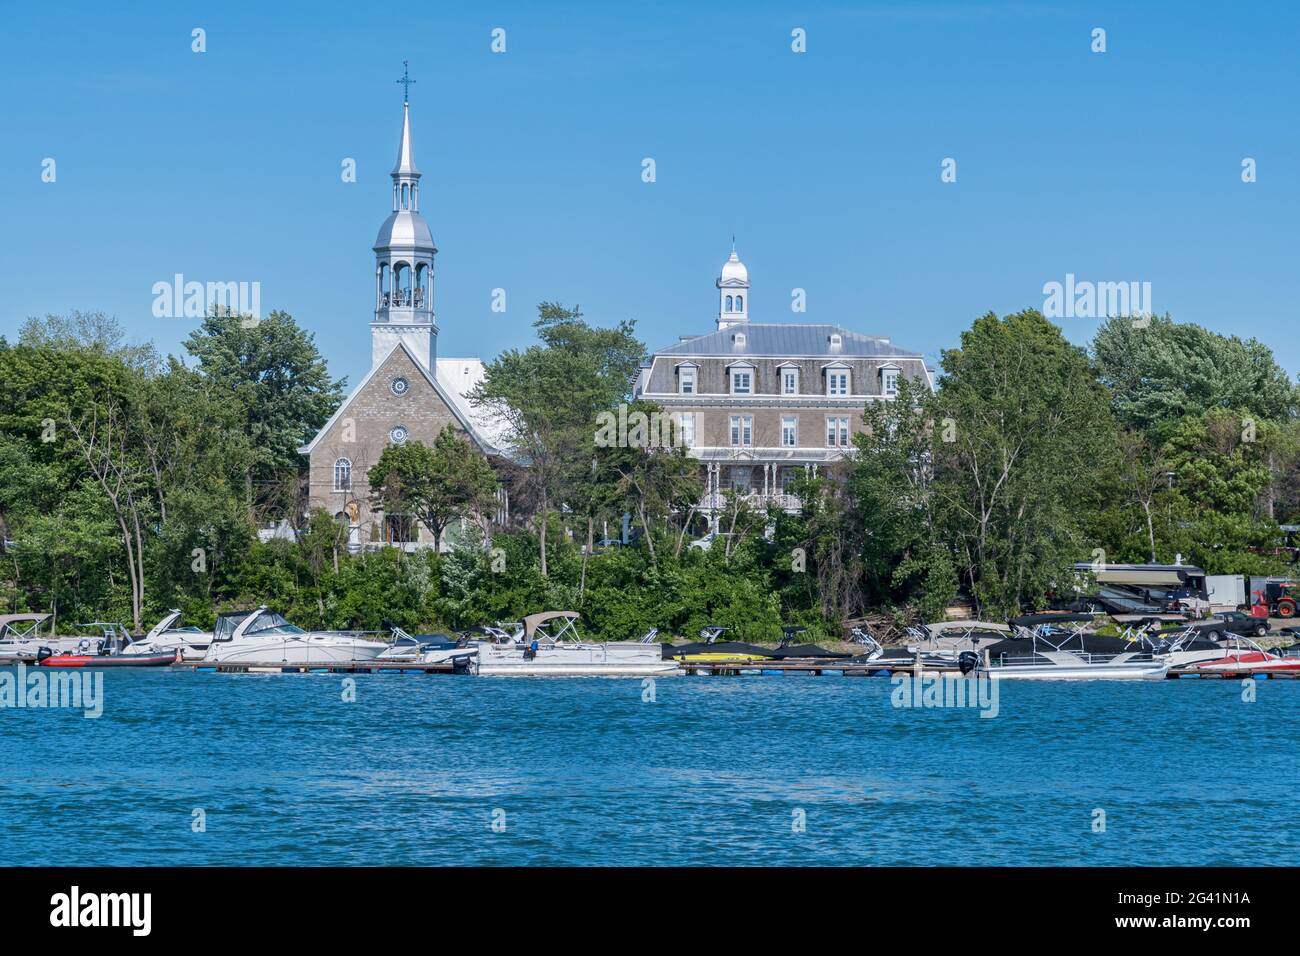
[[1219, 494], [437, 485], [89, 332], [550, 396], [1164, 372], [889, 482], [1031, 430], [273, 370], [652, 480]]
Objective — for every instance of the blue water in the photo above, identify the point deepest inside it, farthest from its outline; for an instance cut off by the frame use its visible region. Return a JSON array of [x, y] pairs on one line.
[[711, 772]]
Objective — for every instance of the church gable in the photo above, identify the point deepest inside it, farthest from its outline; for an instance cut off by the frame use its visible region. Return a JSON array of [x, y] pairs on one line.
[[396, 403]]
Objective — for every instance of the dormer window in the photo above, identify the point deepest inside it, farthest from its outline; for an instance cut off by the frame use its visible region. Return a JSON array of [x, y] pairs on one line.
[[686, 379], [837, 381], [789, 381], [836, 340], [742, 380], [738, 338], [889, 380]]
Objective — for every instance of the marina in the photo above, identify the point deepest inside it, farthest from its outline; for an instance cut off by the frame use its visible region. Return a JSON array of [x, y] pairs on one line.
[[1050, 646]]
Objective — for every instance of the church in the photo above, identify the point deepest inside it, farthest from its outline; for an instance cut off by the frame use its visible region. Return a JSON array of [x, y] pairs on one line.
[[757, 403], [410, 393]]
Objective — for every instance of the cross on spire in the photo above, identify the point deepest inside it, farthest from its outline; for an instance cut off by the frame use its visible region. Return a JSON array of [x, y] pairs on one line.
[[406, 82]]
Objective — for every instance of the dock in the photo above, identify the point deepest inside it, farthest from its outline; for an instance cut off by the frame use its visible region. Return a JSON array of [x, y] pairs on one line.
[[805, 666], [322, 667]]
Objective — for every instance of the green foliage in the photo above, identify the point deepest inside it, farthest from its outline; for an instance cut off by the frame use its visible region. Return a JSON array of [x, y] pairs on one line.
[[1164, 372], [437, 485], [273, 371]]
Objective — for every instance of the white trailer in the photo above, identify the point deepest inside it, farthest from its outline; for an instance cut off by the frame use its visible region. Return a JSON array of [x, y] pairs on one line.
[[1226, 592]]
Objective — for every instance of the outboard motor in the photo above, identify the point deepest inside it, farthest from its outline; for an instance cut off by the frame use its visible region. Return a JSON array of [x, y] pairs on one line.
[[967, 661], [43, 654]]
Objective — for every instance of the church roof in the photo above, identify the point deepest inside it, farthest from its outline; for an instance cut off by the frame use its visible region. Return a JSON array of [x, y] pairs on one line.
[[457, 405], [787, 341], [404, 230]]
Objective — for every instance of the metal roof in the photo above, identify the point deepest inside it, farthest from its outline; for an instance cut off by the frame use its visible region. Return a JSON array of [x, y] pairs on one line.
[[774, 339]]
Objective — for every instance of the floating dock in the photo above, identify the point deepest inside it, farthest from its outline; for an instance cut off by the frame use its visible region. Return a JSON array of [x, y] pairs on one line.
[[806, 666], [321, 667]]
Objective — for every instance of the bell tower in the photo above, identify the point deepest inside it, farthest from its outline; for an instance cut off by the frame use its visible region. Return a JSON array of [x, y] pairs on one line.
[[404, 252], [733, 291]]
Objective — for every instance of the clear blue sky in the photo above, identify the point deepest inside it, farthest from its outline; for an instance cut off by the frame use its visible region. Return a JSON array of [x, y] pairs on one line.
[[225, 165]]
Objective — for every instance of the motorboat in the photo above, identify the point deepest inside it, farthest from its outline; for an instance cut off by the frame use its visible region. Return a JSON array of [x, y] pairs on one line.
[[168, 636], [264, 636], [21, 639], [1240, 655], [108, 649], [1059, 647], [548, 644], [427, 648], [931, 645], [712, 647], [112, 659]]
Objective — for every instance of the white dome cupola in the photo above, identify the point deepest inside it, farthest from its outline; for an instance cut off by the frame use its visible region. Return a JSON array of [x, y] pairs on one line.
[[733, 291], [404, 252]]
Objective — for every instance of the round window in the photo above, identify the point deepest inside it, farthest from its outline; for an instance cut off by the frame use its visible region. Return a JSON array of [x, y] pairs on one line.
[[398, 434], [399, 386]]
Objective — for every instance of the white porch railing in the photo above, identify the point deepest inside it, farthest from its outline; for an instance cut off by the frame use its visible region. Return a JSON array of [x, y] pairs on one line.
[[754, 499]]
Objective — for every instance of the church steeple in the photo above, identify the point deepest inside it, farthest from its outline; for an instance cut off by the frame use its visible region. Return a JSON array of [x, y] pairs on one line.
[[404, 252]]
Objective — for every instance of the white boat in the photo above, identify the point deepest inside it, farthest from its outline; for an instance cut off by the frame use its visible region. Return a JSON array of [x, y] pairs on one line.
[[168, 637], [1043, 649], [21, 638], [265, 637], [548, 645], [428, 648]]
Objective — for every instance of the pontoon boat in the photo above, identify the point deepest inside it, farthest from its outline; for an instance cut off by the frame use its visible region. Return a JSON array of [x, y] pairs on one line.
[[549, 645], [21, 638]]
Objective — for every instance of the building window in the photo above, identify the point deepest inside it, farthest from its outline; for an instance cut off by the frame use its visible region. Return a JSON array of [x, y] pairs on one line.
[[399, 386], [789, 431], [398, 434], [729, 308], [343, 475], [740, 480], [789, 381], [686, 380], [835, 340], [686, 429], [742, 381], [837, 381], [740, 303], [837, 432], [739, 338], [889, 382], [742, 430]]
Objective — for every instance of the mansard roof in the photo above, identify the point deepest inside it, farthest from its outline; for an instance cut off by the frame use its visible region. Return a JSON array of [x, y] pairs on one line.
[[775, 340]]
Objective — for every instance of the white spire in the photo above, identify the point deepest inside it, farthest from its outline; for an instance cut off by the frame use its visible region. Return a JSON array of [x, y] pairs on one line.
[[405, 153]]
